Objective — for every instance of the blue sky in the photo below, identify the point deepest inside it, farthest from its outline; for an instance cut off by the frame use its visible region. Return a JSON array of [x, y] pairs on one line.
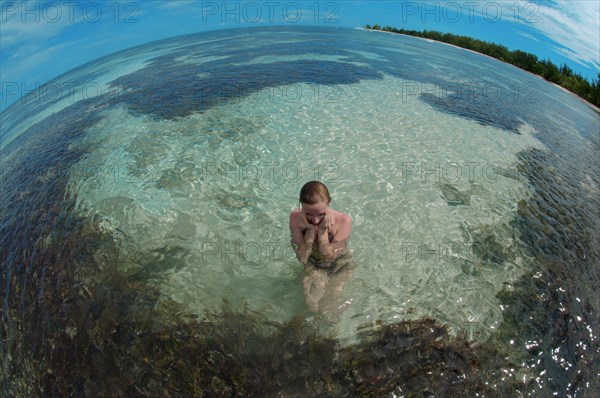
[[40, 40]]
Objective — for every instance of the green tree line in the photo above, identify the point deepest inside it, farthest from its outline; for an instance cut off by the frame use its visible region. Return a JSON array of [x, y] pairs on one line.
[[563, 75]]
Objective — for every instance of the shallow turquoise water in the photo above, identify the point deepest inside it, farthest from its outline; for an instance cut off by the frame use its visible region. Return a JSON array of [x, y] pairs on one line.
[[194, 159], [220, 185]]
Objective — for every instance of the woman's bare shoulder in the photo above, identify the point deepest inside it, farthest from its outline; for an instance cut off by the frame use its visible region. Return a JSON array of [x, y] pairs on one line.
[[342, 218], [294, 217]]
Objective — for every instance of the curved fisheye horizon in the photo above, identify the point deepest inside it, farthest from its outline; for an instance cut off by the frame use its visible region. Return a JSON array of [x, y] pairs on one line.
[[277, 199], [65, 35]]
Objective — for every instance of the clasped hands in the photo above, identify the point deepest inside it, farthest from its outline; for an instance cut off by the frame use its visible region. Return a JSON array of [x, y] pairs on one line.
[[314, 232]]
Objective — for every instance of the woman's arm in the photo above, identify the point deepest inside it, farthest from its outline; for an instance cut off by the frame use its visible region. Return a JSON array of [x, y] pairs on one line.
[[331, 251], [302, 238]]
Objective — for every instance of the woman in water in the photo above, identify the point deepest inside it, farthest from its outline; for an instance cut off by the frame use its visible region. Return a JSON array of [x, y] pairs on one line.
[[319, 236]]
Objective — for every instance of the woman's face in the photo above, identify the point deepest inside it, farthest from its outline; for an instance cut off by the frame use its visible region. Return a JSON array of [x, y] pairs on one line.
[[315, 213]]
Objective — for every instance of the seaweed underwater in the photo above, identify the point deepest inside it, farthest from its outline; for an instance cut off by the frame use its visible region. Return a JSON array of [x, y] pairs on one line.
[[88, 329], [553, 310], [79, 320]]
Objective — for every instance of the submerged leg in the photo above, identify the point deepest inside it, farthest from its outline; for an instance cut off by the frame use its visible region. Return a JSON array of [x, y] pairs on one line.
[[330, 302], [314, 285]]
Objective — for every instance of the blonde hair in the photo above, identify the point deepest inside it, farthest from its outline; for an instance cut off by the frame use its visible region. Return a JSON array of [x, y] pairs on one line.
[[314, 192]]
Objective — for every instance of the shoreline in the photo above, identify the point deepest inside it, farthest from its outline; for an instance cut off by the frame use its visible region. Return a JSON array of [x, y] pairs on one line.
[[592, 106]]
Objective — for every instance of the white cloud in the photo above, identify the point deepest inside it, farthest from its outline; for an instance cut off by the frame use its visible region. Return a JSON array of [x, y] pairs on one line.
[[27, 74], [528, 36], [575, 26], [35, 22], [577, 30], [32, 35]]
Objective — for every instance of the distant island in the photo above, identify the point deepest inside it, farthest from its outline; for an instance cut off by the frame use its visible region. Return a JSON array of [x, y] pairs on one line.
[[562, 76]]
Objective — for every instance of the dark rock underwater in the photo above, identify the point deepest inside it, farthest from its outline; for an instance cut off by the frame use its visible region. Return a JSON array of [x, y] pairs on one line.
[[74, 323]]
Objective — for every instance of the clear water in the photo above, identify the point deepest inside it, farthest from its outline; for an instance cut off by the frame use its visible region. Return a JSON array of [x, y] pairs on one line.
[[194, 165], [219, 186]]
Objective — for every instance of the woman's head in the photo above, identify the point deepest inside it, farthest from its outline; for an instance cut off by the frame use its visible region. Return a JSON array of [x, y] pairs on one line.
[[314, 197], [314, 192]]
